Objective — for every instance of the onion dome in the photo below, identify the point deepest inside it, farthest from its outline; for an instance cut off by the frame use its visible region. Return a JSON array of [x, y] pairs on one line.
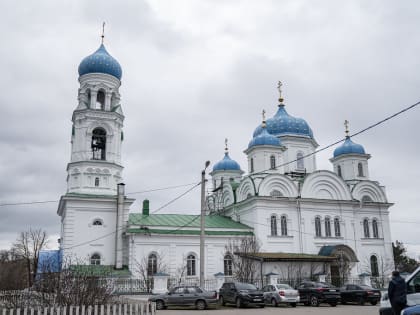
[[100, 62], [226, 164], [349, 147], [264, 138]]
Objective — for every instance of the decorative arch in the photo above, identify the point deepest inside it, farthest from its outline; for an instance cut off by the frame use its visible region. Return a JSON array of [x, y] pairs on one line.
[[325, 185], [245, 189], [370, 189], [277, 182], [227, 195], [99, 124]]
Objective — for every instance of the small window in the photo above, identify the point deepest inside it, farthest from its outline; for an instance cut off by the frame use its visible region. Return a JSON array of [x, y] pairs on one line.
[[96, 181], [273, 221], [272, 162], [366, 228], [98, 144], [97, 222], [95, 259], [360, 169], [151, 265], [283, 225], [100, 100], [374, 266], [366, 199], [299, 161], [275, 193], [337, 227], [327, 227], [339, 171], [228, 263], [252, 165], [191, 261], [375, 230], [318, 226]]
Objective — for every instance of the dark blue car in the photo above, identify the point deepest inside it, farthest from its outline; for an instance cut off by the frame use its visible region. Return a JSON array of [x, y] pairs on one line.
[[412, 310]]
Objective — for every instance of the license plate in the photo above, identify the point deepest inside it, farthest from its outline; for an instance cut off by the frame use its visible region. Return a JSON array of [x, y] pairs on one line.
[[257, 300], [333, 290], [375, 293]]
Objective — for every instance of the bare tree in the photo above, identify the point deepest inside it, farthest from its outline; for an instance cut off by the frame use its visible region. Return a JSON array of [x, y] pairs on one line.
[[27, 247], [12, 271], [244, 267], [146, 269]]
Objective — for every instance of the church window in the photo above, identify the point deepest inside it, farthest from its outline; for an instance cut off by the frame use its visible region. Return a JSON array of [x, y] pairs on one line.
[[191, 262], [100, 100], [95, 259], [318, 226], [299, 161], [252, 165], [366, 228], [272, 162], [375, 230], [151, 265], [337, 227], [273, 221], [275, 193], [360, 169], [339, 171], [327, 227], [89, 97], [366, 199], [228, 265], [97, 222], [96, 181], [98, 144], [374, 266], [283, 225]]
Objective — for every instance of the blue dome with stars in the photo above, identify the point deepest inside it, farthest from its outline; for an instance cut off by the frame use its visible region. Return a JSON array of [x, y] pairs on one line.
[[100, 62], [349, 147], [227, 164], [284, 124], [264, 138]]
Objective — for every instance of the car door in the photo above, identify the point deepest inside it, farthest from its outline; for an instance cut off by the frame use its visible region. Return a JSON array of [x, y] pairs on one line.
[[304, 292], [190, 296], [177, 296], [413, 289]]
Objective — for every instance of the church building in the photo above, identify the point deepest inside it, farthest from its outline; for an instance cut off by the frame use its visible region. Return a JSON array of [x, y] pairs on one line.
[[320, 220]]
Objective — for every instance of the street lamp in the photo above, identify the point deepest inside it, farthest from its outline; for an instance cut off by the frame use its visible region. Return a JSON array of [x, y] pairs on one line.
[[202, 222]]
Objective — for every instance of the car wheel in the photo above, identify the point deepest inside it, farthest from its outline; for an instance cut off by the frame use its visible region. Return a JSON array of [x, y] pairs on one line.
[[314, 301], [222, 300], [238, 302], [333, 304], [343, 301], [274, 302], [200, 305], [293, 304], [361, 300], [160, 305], [374, 302], [261, 306]]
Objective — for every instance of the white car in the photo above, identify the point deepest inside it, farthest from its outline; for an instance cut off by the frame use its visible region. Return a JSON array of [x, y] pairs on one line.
[[276, 294]]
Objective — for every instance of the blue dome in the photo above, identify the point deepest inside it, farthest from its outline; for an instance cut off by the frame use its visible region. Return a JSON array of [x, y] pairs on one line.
[[227, 164], [264, 138], [100, 62], [284, 124], [349, 147]]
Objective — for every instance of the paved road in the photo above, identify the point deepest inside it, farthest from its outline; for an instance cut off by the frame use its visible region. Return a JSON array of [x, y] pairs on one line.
[[300, 310]]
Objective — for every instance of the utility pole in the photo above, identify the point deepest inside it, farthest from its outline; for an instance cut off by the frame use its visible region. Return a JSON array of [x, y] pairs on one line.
[[202, 222]]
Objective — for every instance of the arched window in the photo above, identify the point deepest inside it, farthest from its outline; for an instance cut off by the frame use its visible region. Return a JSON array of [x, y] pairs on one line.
[[299, 161], [272, 162], [98, 144], [273, 221], [96, 181], [283, 225], [252, 165], [97, 222], [366, 228], [374, 266], [339, 171], [88, 97], [366, 199], [95, 259], [318, 226], [327, 227], [100, 100], [191, 265], [375, 230], [360, 169], [337, 227], [151, 265], [275, 193], [228, 263]]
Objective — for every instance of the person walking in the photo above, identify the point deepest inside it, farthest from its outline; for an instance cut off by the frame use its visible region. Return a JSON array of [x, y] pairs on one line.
[[397, 293]]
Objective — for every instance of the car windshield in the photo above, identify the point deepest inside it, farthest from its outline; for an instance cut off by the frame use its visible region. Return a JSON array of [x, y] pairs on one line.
[[283, 287], [322, 285], [245, 286], [366, 287]]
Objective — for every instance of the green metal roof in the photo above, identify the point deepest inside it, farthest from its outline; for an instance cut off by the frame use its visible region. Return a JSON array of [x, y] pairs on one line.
[[185, 220], [186, 232], [100, 271]]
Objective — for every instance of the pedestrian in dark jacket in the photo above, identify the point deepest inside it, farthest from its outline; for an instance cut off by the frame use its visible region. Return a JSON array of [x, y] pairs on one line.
[[397, 293]]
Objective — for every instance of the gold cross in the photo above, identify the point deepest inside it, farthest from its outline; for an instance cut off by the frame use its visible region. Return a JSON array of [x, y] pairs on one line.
[[226, 144], [103, 32], [346, 125], [279, 85], [263, 114]]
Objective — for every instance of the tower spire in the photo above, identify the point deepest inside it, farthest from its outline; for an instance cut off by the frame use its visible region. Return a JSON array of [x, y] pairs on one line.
[[263, 119], [226, 146], [279, 85], [103, 32], [346, 126]]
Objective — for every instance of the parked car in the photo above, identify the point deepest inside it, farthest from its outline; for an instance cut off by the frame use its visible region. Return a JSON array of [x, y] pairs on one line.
[[314, 293], [359, 294], [186, 296], [276, 294], [412, 310], [240, 294]]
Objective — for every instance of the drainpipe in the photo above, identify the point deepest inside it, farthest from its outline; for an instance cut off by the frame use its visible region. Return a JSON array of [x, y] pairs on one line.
[[119, 226]]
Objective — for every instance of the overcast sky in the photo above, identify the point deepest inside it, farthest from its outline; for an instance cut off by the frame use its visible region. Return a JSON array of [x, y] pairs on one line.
[[196, 72]]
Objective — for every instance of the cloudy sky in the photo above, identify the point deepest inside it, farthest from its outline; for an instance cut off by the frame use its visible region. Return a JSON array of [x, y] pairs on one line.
[[195, 72]]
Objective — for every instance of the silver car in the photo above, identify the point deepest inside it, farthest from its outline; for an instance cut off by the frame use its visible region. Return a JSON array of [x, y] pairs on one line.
[[276, 294]]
